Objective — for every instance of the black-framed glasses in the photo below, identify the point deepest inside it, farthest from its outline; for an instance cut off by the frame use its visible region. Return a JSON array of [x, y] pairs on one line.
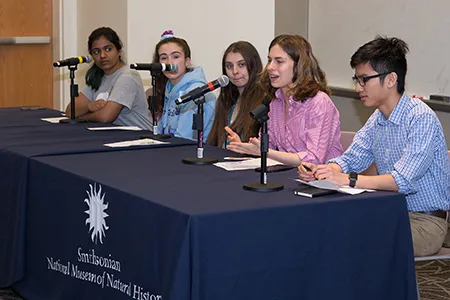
[[362, 80]]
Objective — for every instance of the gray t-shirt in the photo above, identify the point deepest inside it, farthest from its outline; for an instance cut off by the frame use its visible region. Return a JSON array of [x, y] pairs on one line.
[[124, 87]]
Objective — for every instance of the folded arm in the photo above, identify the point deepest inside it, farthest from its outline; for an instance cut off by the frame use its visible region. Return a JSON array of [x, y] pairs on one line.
[[107, 114]]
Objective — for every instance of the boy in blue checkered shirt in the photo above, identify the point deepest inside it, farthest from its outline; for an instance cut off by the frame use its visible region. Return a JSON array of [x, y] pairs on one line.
[[403, 137]]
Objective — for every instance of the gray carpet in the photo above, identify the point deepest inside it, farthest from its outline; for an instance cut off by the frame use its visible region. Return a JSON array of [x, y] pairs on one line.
[[433, 277], [8, 294]]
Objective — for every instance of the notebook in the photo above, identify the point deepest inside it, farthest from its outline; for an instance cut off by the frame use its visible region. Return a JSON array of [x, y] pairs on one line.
[[313, 192]]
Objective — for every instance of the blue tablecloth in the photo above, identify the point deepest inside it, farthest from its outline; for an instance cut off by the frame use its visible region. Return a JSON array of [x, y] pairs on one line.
[[23, 135], [23, 132], [82, 221], [166, 230]]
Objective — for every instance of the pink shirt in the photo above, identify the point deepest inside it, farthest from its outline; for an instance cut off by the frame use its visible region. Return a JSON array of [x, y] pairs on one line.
[[311, 129]]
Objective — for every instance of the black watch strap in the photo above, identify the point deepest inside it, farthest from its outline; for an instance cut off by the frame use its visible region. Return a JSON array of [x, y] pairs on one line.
[[353, 176]]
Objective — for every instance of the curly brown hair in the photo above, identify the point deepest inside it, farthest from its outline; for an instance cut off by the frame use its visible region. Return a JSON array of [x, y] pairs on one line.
[[308, 76]]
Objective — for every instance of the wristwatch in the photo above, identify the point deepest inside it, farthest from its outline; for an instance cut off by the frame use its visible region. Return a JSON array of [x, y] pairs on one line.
[[353, 176]]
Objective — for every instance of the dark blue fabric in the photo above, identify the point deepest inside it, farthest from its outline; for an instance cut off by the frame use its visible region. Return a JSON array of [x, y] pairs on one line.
[[22, 135], [183, 231], [13, 173], [189, 232], [24, 132], [144, 236], [16, 116]]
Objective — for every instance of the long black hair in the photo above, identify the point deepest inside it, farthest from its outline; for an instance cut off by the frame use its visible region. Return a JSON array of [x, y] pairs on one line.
[[94, 75]]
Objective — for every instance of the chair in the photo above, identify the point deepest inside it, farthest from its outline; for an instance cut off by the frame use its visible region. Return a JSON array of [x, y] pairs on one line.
[[346, 141], [443, 253]]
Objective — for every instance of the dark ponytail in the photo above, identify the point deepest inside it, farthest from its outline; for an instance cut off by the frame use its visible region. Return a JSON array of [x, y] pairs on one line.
[[94, 77]]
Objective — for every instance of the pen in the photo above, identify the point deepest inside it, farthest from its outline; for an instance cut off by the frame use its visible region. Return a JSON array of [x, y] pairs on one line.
[[307, 168], [237, 158]]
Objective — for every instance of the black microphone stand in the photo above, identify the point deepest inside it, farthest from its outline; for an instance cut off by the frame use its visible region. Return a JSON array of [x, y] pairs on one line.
[[73, 94], [197, 124], [152, 103], [153, 107], [261, 115]]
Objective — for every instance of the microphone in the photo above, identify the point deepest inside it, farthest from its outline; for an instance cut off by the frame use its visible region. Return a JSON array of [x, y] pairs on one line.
[[200, 91], [262, 109], [72, 61], [155, 67]]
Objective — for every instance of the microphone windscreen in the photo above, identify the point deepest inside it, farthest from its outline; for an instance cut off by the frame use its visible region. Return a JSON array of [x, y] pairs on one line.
[[266, 101], [174, 68], [223, 80]]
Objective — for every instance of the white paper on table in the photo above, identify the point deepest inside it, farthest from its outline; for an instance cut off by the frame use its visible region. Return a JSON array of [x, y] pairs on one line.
[[140, 142], [328, 185], [54, 120], [245, 164], [132, 128]]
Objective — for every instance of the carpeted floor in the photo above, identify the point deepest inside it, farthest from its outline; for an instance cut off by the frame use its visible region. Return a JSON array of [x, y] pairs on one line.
[[433, 277], [8, 294]]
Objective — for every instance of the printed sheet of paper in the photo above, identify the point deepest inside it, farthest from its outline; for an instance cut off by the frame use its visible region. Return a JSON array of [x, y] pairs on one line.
[[328, 185], [247, 164], [54, 120], [140, 142], [132, 128]]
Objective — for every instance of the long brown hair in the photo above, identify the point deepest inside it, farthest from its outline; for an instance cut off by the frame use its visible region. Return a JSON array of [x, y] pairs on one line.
[[251, 97], [308, 76], [161, 80]]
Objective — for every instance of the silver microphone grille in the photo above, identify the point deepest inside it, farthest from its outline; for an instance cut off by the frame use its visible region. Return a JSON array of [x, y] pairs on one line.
[[223, 80]]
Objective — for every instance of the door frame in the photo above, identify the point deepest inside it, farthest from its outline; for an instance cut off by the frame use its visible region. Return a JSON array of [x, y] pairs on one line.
[[65, 43]]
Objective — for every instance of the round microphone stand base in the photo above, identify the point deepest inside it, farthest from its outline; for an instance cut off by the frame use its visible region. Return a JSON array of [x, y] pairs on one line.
[[72, 121], [199, 161], [263, 188]]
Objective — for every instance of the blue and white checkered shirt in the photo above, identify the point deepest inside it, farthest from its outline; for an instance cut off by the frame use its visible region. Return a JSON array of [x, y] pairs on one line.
[[410, 146]]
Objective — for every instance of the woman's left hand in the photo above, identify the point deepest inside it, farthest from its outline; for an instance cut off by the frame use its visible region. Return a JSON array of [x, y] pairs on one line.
[[251, 148]]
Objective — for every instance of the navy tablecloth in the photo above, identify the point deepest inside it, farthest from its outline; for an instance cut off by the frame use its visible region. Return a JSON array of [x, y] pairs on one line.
[[23, 132], [187, 232], [23, 135]]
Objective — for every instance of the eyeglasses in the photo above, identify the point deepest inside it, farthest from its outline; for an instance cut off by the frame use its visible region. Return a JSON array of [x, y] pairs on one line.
[[363, 79]]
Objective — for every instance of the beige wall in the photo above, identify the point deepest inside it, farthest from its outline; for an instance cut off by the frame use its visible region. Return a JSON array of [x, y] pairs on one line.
[[113, 14], [291, 17], [56, 35], [209, 26], [97, 13], [338, 28]]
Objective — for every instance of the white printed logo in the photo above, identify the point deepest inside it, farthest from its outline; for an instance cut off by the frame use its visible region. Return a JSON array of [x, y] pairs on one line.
[[97, 214]]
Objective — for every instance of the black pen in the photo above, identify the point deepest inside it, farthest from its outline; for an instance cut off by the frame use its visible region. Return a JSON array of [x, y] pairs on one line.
[[307, 168]]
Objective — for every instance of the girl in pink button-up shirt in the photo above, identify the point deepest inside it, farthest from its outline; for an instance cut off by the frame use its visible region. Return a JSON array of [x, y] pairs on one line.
[[304, 123]]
